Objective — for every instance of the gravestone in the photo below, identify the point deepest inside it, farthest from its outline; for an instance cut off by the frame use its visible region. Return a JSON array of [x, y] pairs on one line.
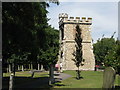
[[108, 77]]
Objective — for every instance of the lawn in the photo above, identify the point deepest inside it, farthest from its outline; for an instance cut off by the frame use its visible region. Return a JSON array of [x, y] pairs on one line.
[[90, 79], [27, 74], [23, 78]]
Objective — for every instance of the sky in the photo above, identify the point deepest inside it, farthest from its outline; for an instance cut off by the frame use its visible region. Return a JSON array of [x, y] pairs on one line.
[[119, 22], [104, 16]]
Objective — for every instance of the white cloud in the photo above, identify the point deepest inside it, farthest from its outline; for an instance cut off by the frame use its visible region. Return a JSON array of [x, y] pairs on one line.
[[104, 16]]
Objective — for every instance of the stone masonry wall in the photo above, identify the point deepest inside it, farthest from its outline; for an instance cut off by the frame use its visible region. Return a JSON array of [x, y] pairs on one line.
[[68, 43]]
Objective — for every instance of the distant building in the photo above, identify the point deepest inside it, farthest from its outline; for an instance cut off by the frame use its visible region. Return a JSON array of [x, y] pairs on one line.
[[67, 42]]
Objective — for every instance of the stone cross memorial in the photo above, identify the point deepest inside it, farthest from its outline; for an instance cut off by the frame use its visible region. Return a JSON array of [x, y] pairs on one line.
[[108, 77]]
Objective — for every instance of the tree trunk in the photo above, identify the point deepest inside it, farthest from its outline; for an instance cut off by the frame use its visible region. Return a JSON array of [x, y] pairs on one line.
[[78, 74], [18, 67], [38, 66], [11, 82], [9, 68], [22, 68], [41, 67], [31, 66], [13, 70], [51, 75]]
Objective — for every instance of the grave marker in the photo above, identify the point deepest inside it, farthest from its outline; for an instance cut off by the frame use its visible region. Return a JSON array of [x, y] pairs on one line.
[[108, 77]]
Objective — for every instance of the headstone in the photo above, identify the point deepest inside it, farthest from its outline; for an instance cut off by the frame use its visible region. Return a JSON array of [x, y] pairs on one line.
[[108, 77]]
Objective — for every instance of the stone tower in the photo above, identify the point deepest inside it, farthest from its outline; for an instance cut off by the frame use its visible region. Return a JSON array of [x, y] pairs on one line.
[[67, 42]]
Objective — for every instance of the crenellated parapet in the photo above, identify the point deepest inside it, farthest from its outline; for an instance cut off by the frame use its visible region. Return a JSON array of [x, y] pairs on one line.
[[63, 18]]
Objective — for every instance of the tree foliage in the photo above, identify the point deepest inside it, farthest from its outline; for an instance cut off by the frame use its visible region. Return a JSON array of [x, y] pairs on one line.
[[113, 57], [107, 52], [101, 49], [78, 53], [49, 54], [26, 34]]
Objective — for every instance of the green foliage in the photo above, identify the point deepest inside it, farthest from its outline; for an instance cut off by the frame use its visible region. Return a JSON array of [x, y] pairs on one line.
[[101, 49], [49, 54], [107, 52], [78, 53], [26, 34], [113, 57], [20, 25]]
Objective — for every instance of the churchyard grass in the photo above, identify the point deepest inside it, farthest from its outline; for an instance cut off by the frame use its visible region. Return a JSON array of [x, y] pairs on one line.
[[28, 74], [23, 77], [90, 79]]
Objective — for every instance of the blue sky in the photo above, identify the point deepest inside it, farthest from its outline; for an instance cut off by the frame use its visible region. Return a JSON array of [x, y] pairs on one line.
[[104, 15]]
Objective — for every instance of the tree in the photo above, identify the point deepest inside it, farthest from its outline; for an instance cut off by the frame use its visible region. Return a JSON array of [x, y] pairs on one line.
[[78, 53], [101, 49], [50, 55], [113, 57], [21, 28], [107, 52], [27, 38], [118, 56]]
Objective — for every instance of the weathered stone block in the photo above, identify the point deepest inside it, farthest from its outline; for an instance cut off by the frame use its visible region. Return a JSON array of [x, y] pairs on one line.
[[108, 77]]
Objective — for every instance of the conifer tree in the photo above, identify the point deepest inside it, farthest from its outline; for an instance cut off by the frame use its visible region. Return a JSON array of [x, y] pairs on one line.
[[78, 53]]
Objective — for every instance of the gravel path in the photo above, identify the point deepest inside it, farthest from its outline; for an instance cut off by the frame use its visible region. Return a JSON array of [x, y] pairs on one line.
[[61, 76]]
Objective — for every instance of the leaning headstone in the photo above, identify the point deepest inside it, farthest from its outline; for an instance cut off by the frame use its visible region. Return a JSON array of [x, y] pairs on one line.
[[108, 77]]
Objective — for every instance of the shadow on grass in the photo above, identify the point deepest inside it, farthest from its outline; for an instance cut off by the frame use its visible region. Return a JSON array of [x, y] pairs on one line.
[[58, 83], [32, 83], [117, 87], [27, 82], [78, 79], [56, 74]]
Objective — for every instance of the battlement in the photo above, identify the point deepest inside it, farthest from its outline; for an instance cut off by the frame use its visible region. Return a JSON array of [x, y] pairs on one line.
[[63, 18]]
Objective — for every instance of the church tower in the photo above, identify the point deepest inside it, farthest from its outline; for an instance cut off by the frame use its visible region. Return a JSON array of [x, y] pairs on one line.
[[67, 42]]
